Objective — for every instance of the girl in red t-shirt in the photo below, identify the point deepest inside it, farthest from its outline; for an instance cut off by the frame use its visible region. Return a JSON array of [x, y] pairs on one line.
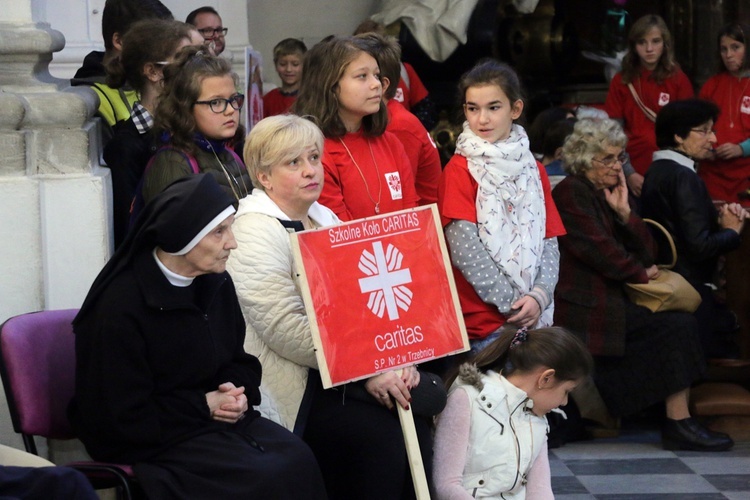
[[498, 215], [727, 177], [367, 171], [649, 80]]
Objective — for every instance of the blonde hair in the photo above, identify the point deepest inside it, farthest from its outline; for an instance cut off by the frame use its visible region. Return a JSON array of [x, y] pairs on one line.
[[278, 139]]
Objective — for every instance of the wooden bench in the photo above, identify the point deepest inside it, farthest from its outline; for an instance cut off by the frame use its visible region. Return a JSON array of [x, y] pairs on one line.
[[723, 407]]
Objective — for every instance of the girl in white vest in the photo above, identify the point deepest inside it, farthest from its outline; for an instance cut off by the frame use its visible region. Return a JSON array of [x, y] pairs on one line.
[[491, 439]]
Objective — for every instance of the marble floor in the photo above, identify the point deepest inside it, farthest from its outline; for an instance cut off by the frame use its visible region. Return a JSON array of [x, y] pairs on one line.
[[634, 466]]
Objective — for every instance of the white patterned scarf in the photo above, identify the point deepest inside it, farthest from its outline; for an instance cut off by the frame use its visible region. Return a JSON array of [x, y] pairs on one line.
[[511, 215]]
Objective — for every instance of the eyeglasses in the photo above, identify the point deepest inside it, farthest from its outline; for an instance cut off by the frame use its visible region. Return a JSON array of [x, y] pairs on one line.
[[703, 131], [219, 105], [213, 32], [609, 161]]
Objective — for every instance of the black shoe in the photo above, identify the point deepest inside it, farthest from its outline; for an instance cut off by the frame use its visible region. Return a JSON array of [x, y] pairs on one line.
[[689, 434]]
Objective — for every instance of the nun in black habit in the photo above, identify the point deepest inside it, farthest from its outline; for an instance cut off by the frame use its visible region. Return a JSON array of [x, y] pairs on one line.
[[162, 378]]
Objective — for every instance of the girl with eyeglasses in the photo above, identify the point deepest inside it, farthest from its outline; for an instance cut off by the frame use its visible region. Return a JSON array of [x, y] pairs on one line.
[[198, 116], [727, 172]]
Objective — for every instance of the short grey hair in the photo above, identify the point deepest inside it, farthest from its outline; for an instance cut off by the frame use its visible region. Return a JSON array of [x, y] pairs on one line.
[[590, 137]]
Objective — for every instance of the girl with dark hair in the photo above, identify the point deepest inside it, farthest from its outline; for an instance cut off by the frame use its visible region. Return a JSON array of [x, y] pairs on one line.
[[198, 115], [147, 47], [727, 172], [650, 78], [367, 171], [491, 439], [676, 197], [497, 212]]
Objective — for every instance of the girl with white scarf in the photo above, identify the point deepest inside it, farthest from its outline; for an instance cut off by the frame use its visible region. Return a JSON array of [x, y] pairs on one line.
[[499, 219]]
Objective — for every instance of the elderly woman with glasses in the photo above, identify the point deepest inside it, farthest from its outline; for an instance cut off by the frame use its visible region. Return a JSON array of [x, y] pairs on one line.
[[641, 358], [677, 197], [199, 117]]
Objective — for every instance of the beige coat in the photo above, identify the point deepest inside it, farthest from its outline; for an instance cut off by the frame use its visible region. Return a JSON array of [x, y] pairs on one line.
[[277, 328]]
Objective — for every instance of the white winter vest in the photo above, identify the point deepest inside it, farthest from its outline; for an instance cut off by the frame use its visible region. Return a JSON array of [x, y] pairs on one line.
[[504, 440]]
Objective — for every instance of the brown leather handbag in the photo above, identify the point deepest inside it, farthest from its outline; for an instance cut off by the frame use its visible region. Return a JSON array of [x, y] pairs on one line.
[[669, 291]]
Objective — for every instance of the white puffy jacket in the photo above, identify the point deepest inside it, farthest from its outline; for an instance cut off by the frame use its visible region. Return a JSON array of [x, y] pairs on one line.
[[505, 437], [277, 329]]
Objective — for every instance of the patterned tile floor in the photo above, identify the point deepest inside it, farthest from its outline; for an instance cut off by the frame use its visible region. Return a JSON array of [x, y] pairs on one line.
[[634, 466]]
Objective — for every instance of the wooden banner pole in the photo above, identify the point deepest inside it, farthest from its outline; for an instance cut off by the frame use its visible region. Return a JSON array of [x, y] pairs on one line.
[[416, 465]]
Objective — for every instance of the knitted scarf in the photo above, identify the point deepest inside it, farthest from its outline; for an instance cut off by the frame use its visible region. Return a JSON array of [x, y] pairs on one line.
[[510, 207]]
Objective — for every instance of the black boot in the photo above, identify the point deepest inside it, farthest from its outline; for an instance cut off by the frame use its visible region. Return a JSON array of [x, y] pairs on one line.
[[689, 434]]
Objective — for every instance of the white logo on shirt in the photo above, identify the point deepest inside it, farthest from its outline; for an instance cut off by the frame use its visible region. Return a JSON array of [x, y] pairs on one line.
[[663, 99], [393, 179], [745, 108], [399, 97]]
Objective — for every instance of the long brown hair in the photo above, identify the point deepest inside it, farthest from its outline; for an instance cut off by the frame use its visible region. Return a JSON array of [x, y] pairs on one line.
[[147, 41], [552, 347], [631, 63], [182, 87], [325, 64]]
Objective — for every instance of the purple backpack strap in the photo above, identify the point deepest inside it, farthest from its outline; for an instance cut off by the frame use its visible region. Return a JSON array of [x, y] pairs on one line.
[[138, 203], [193, 162], [237, 158]]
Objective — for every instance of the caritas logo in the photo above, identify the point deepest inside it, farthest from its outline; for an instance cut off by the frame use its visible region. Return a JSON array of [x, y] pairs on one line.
[[386, 281]]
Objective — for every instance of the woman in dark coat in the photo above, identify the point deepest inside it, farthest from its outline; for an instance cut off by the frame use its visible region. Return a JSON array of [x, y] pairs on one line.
[[675, 196], [641, 358], [162, 379]]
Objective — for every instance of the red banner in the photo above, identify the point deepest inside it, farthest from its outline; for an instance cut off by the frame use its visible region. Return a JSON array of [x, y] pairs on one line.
[[379, 294]]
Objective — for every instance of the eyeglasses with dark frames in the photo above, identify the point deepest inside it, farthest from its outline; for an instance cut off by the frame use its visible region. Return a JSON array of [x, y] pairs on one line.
[[213, 32], [611, 160], [703, 131], [219, 104]]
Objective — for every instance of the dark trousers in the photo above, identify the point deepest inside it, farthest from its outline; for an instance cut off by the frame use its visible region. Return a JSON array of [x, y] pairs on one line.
[[360, 447], [44, 483]]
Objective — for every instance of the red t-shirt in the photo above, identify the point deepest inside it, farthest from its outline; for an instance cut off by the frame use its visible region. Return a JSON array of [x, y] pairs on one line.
[[388, 179], [725, 178], [457, 196], [621, 105], [415, 91], [276, 103], [420, 148]]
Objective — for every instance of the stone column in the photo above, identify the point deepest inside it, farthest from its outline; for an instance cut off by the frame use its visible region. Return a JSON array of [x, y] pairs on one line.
[[54, 197]]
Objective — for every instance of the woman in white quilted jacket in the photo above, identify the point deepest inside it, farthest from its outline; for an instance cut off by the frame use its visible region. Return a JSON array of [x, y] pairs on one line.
[[353, 430]]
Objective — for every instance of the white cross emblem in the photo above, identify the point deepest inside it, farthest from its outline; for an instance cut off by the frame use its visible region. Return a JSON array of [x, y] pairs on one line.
[[385, 281]]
